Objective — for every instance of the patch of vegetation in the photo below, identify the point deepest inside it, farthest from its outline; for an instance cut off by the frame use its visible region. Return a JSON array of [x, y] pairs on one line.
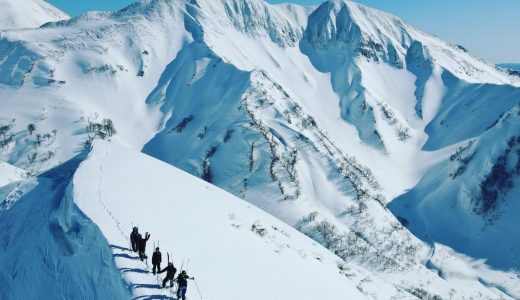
[[206, 166], [258, 229], [462, 157], [498, 182], [203, 133], [423, 294], [227, 136], [6, 136], [184, 122]]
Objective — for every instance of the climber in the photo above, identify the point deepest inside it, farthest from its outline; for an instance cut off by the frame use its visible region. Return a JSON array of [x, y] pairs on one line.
[[133, 238], [182, 280], [170, 274], [156, 260], [141, 245]]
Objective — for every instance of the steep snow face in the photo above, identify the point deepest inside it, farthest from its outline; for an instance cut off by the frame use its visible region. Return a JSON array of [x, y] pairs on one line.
[[379, 36], [282, 25], [362, 41], [470, 202], [49, 248], [28, 14]]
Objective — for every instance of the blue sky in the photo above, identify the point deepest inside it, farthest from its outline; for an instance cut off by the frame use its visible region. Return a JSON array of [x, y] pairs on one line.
[[489, 28]]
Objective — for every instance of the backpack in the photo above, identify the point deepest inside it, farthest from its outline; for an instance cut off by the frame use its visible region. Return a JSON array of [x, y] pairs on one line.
[[133, 235]]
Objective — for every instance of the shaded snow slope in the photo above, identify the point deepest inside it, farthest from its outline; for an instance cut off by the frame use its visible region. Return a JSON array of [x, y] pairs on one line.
[[49, 248], [446, 207], [21, 14]]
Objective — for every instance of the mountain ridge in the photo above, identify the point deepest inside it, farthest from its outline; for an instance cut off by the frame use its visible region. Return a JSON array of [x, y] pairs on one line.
[[28, 14]]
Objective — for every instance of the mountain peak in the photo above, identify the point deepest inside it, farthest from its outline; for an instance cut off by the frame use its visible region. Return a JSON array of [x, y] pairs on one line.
[[28, 14]]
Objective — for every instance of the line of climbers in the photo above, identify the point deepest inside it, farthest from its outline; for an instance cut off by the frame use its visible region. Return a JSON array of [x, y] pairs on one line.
[[139, 245]]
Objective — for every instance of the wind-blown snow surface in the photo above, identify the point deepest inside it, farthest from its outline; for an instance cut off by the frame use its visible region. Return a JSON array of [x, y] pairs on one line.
[[21, 14], [320, 116], [9, 174], [49, 248]]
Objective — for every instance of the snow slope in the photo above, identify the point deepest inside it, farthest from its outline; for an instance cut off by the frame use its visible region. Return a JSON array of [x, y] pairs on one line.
[[48, 243], [21, 14], [445, 207], [234, 250], [320, 116], [9, 173], [82, 211]]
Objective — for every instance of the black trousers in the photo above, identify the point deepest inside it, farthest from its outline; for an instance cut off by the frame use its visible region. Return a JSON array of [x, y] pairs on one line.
[[166, 279], [142, 255], [158, 267], [134, 246]]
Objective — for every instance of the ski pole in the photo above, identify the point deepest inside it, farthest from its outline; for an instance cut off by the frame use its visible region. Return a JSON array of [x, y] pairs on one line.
[[130, 240], [198, 290]]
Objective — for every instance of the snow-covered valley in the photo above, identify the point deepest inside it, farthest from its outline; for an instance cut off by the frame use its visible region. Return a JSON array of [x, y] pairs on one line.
[[394, 150]]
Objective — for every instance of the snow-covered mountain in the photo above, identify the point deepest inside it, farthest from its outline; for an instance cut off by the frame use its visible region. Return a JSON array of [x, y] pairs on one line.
[[320, 116], [446, 207], [21, 14], [241, 237], [80, 213]]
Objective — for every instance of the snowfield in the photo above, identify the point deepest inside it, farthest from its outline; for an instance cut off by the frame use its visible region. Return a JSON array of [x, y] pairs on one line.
[[394, 150], [28, 14], [9, 174]]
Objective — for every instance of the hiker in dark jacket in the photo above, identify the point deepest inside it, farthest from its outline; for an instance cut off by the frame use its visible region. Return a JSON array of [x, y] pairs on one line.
[[141, 245], [170, 274], [156, 260], [182, 280], [133, 238]]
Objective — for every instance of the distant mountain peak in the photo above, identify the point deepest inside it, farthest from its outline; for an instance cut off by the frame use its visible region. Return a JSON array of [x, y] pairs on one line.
[[22, 14]]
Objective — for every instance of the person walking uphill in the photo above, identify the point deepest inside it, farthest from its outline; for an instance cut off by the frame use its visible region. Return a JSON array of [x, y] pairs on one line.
[[133, 238], [156, 260], [182, 280], [141, 245], [170, 274]]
